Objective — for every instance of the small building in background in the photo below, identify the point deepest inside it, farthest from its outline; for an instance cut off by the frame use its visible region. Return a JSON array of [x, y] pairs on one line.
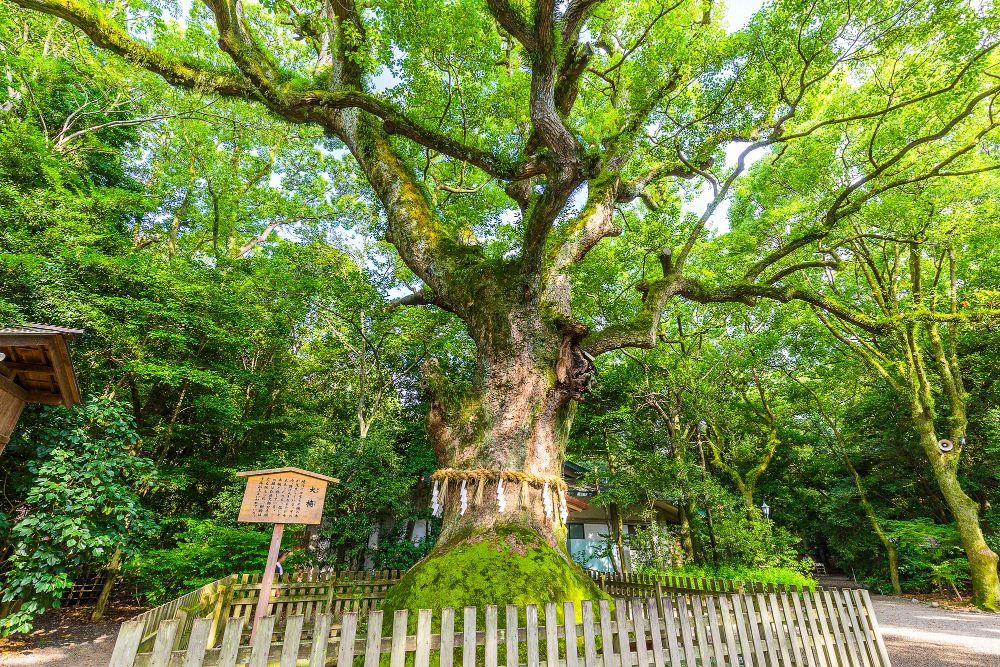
[[589, 526], [34, 368]]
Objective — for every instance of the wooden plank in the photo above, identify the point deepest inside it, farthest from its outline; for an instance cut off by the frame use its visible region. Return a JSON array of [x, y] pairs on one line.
[[510, 635], [770, 643], [753, 623], [687, 636], [422, 657], [624, 648], [781, 623], [569, 622], [531, 638], [397, 658], [655, 632], [866, 648], [469, 637], [589, 643], [728, 623], [291, 641], [491, 636], [639, 626], [812, 631], [321, 639], [854, 649], [348, 631], [839, 642], [127, 644], [165, 636], [262, 642], [373, 642], [718, 649], [230, 647], [704, 650], [671, 629], [869, 616], [197, 642], [803, 631], [551, 634], [447, 654], [607, 638], [828, 641], [746, 649]]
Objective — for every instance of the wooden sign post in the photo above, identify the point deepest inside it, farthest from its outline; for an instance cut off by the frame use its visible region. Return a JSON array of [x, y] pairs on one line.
[[280, 496]]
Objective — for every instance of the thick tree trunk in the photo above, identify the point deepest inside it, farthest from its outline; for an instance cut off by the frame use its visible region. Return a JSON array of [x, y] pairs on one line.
[[982, 559], [515, 418]]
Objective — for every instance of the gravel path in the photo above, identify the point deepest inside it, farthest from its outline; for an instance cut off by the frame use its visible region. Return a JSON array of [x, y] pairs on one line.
[[919, 635]]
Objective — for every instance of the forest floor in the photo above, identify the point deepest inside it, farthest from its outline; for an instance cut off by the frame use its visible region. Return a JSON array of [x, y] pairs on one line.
[[66, 638], [916, 635]]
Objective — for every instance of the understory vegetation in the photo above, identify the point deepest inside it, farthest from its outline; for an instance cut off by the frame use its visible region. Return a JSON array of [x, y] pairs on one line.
[[781, 365]]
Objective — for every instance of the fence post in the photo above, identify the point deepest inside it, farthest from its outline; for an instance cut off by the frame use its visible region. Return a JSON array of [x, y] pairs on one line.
[[659, 596], [221, 609]]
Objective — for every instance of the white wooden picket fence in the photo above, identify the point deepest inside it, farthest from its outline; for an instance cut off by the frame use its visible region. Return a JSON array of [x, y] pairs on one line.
[[826, 628]]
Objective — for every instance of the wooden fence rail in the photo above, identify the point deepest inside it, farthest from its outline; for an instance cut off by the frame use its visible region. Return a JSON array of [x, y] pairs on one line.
[[632, 585], [312, 592], [829, 628]]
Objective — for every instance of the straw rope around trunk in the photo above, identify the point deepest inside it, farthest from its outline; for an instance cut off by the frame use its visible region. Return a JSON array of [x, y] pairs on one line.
[[547, 484]]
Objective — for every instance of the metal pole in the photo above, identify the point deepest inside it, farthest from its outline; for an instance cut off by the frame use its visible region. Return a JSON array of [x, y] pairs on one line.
[[264, 599]]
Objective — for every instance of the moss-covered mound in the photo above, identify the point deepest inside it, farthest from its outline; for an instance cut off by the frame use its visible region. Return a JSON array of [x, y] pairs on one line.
[[506, 564]]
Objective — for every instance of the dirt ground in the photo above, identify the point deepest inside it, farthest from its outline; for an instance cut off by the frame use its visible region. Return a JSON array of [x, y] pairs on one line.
[[66, 638], [916, 634]]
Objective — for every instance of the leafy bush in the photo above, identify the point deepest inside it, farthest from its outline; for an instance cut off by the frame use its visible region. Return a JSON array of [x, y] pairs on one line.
[[80, 504], [401, 553], [755, 543], [930, 555], [205, 551], [765, 575]]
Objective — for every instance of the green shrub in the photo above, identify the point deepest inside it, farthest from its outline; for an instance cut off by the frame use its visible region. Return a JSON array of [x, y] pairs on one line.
[[930, 555], [81, 504], [764, 575], [205, 551]]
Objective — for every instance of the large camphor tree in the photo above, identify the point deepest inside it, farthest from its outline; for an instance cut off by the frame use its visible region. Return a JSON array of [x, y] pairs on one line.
[[506, 141]]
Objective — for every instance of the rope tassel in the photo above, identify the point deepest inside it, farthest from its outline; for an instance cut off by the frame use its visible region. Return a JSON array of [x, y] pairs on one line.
[[479, 490]]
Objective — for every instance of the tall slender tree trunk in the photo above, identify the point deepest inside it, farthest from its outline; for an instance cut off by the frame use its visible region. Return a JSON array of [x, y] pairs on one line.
[[944, 464], [982, 559]]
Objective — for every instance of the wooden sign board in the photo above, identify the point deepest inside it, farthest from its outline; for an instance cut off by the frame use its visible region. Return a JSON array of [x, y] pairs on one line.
[[283, 495]]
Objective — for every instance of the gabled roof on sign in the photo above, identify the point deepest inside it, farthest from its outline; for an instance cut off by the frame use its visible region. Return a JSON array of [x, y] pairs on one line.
[[35, 366], [40, 329], [275, 471]]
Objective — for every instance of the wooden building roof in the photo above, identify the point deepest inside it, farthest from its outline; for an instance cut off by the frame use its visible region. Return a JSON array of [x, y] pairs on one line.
[[36, 367]]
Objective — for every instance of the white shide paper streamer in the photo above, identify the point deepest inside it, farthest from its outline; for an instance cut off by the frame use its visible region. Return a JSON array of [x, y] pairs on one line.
[[435, 506]]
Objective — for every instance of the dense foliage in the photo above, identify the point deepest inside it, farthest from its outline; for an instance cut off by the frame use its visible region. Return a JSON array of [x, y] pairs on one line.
[[795, 296]]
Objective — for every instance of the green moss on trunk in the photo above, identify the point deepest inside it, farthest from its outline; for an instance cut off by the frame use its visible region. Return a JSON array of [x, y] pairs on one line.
[[505, 564]]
